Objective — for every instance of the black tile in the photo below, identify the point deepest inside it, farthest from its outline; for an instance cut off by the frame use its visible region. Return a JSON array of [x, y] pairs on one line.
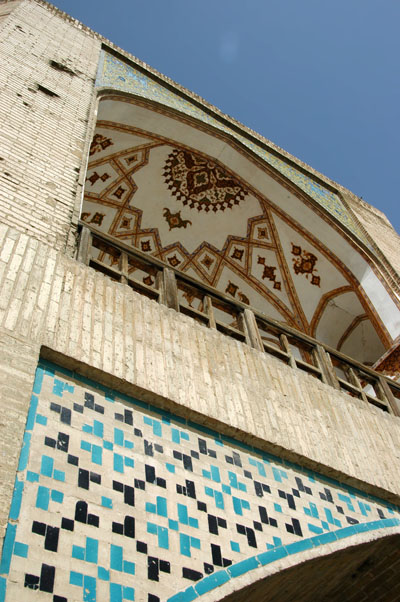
[[152, 568], [263, 515], [202, 506], [49, 442], [148, 448], [55, 407], [300, 485], [195, 454], [67, 524], [119, 417], [89, 401], [63, 442], [297, 527], [73, 460], [138, 433], [78, 408], [340, 509], [294, 528], [59, 599], [273, 522], [202, 446], [153, 598], [128, 417], [212, 453], [159, 448], [247, 474], [251, 538], [93, 520], [180, 489], [381, 514], [308, 490], [81, 511], [221, 523], [141, 547], [257, 526], [296, 492], [129, 495], [282, 494], [177, 455], [83, 478], [190, 489], [38, 528], [118, 528], [117, 486], [187, 462], [352, 521], [98, 408], [150, 473], [31, 581], [258, 489], [266, 488], [161, 482], [226, 562], [65, 416], [236, 459], [212, 524], [241, 529], [208, 568], [165, 566], [51, 539], [129, 526], [140, 484], [290, 501], [95, 478], [229, 459], [216, 554], [47, 578], [191, 574]]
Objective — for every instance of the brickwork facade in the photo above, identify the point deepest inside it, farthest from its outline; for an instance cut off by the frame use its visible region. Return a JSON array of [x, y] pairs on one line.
[[56, 308]]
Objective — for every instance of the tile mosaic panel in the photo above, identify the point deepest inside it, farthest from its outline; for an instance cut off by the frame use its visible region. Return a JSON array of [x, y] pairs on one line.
[[114, 73], [117, 500]]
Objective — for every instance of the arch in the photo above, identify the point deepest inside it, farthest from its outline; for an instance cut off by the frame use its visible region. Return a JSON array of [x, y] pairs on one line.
[[245, 229], [328, 567]]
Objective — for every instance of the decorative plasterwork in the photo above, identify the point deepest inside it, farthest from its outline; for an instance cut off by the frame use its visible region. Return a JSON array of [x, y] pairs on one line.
[[190, 209], [114, 73]]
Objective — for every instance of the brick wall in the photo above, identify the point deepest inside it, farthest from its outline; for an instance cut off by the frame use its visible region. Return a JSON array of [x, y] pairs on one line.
[[107, 330], [43, 137]]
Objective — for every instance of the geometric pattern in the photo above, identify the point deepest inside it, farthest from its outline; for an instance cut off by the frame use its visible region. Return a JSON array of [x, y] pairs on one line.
[[118, 500], [200, 182], [114, 73], [221, 233]]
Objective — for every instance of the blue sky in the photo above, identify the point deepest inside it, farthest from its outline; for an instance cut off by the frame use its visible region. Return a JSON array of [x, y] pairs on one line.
[[318, 78]]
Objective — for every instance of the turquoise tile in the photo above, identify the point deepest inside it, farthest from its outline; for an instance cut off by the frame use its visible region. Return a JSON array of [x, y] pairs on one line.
[[244, 566], [272, 555], [103, 573], [129, 567], [76, 578], [211, 582]]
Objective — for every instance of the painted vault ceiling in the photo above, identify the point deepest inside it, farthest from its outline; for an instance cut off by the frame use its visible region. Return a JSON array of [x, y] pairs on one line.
[[170, 199]]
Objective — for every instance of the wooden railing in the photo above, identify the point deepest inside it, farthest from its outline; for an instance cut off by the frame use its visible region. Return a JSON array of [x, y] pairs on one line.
[[155, 279]]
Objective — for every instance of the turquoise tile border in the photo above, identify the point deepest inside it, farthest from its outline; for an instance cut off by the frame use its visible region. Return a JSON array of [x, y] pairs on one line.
[[249, 564]]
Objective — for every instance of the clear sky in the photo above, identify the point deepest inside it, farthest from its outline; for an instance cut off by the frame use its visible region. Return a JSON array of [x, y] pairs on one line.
[[320, 78]]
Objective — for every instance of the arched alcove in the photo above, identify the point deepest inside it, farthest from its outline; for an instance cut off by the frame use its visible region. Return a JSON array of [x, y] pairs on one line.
[[192, 196], [366, 571]]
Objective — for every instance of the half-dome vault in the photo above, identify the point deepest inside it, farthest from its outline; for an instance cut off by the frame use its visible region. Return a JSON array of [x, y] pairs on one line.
[[197, 199]]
